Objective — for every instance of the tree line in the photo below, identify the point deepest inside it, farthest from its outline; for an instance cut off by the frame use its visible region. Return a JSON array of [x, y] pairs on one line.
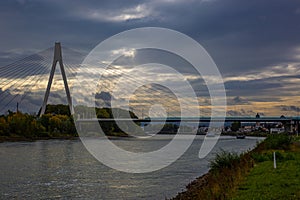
[[56, 122], [31, 126]]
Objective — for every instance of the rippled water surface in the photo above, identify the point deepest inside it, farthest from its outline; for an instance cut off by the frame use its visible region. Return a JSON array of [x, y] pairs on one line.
[[65, 169]]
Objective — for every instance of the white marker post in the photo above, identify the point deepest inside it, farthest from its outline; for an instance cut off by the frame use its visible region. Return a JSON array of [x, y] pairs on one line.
[[274, 155]]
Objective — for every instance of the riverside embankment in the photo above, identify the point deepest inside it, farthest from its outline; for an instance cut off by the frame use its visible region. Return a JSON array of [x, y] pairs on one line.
[[252, 174]]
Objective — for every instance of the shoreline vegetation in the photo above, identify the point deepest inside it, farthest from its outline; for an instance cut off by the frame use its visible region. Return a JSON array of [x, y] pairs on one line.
[[251, 175], [56, 123]]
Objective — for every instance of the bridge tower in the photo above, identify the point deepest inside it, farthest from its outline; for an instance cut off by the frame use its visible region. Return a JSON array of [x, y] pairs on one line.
[[57, 59]]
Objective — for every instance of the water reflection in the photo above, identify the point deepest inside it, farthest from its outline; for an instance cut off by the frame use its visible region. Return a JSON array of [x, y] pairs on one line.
[[56, 169]]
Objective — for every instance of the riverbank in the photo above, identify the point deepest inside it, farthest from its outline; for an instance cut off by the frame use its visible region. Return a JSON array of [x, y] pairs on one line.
[[265, 182], [26, 139], [18, 138], [251, 175], [250, 134]]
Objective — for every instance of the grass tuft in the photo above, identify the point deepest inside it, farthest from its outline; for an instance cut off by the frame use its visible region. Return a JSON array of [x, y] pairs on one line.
[[223, 160]]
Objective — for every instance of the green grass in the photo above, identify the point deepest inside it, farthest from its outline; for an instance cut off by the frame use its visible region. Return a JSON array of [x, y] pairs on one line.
[[251, 175], [265, 182]]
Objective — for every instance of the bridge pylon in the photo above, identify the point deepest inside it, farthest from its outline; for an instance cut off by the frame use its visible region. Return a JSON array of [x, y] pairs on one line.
[[57, 59]]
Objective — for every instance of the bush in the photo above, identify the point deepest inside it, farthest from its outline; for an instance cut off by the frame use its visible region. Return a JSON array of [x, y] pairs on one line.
[[224, 159], [235, 126], [4, 127], [278, 141]]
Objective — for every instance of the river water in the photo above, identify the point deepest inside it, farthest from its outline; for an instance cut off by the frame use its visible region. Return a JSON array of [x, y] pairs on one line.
[[55, 169]]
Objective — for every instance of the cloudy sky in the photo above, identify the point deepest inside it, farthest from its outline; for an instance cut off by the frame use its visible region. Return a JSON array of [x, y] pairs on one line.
[[255, 44]]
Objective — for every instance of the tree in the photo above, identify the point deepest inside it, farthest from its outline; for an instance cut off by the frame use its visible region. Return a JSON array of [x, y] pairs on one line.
[[102, 113], [4, 127], [37, 128], [18, 123], [62, 124], [59, 109], [235, 126], [44, 120]]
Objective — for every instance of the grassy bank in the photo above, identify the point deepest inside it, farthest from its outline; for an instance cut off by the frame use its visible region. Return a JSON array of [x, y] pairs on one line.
[[251, 175], [265, 182], [227, 171]]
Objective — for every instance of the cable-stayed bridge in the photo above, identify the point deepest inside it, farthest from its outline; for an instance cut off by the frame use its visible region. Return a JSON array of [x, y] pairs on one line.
[[26, 84]]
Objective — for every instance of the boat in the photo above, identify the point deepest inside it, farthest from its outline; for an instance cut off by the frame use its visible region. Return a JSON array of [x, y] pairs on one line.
[[240, 136]]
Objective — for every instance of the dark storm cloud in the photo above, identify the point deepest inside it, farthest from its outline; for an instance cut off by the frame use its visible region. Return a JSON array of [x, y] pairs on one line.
[[33, 65], [8, 57], [39, 64], [272, 86], [243, 37], [241, 112], [264, 99], [237, 101], [289, 108], [103, 99], [34, 23], [248, 35], [240, 35], [28, 101], [149, 55], [248, 88]]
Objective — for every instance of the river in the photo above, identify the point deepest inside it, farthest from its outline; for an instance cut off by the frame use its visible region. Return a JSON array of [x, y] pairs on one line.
[[55, 169]]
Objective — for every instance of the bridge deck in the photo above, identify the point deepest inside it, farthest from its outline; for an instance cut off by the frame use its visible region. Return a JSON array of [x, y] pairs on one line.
[[201, 119]]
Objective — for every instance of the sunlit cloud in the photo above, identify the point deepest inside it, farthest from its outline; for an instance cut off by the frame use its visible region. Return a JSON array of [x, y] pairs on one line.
[[119, 15], [290, 69], [124, 51]]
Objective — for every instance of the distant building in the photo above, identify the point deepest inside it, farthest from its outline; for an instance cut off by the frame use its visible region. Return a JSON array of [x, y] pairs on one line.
[[257, 116], [277, 130]]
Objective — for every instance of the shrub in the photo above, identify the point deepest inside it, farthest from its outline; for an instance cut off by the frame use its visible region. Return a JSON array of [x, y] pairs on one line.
[[278, 141], [4, 127], [224, 159]]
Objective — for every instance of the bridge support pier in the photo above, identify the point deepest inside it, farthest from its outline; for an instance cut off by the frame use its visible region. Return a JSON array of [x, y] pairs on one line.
[[57, 59]]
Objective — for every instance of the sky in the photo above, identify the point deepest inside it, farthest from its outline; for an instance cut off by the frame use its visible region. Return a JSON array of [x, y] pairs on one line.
[[255, 44]]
